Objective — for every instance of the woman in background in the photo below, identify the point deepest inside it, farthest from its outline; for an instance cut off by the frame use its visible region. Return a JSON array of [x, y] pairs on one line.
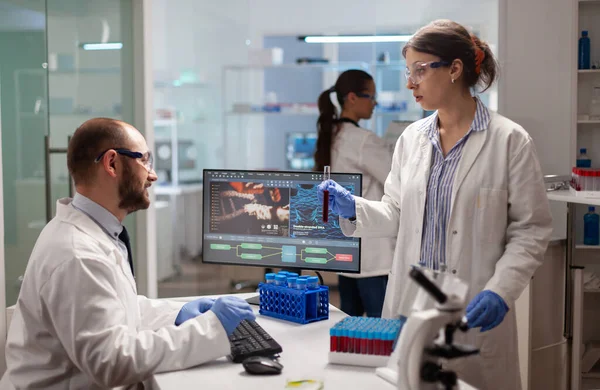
[[347, 147]]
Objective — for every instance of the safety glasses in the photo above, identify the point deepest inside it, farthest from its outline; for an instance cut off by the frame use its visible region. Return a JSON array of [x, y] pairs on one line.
[[419, 71], [373, 98], [146, 159]]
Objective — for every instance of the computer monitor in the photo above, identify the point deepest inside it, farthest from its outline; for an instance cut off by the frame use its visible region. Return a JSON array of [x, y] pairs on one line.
[[300, 151], [274, 219]]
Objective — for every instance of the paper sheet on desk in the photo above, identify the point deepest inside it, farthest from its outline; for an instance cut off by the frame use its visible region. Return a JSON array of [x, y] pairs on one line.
[[305, 384]]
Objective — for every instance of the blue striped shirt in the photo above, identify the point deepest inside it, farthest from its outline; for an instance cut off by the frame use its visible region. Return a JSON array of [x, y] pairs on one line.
[[439, 187]]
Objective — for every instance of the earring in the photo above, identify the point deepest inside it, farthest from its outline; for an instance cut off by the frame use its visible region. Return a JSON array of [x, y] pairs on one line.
[[452, 81]]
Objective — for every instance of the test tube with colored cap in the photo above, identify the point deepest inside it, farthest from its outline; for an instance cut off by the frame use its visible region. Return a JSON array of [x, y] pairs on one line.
[[333, 339], [301, 284], [291, 282], [312, 283], [280, 280], [270, 278], [356, 340], [326, 177], [351, 336]]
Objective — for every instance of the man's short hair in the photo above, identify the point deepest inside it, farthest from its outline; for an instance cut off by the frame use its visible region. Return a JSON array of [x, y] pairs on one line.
[[89, 140]]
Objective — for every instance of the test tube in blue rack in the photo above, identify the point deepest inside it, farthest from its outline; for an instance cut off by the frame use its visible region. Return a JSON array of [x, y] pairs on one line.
[[364, 335], [301, 283], [287, 297], [270, 278], [291, 281], [280, 280]]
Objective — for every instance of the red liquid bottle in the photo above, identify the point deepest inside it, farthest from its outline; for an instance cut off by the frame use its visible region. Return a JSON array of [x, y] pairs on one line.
[[326, 177], [325, 206]]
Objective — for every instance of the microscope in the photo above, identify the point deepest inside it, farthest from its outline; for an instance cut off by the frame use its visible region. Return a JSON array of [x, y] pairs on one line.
[[427, 338]]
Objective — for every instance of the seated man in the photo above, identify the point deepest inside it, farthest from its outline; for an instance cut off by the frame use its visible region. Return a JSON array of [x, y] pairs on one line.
[[78, 322]]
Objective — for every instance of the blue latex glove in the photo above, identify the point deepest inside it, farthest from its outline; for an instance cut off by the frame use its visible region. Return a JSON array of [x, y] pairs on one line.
[[193, 309], [341, 201], [231, 311], [486, 310]]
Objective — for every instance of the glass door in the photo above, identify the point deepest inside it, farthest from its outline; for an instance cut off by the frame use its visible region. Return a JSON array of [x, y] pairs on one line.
[[24, 113], [70, 60], [90, 74]]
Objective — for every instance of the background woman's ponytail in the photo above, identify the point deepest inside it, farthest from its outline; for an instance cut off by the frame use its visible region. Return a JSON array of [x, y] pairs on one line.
[[326, 127], [353, 80]]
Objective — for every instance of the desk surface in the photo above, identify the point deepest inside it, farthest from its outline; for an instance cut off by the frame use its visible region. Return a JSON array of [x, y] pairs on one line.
[[305, 350]]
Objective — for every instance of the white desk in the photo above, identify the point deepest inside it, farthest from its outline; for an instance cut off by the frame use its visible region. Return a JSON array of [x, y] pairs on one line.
[[305, 349]]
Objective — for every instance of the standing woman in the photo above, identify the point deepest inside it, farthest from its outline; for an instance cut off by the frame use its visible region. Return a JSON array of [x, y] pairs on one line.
[[347, 147], [465, 195]]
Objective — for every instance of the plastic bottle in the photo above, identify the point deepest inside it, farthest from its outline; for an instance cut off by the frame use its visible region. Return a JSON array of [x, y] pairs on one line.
[[583, 161], [270, 278], [583, 58], [591, 227]]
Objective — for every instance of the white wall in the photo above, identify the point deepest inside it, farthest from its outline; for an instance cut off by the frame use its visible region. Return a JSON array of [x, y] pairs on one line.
[[537, 54], [537, 57]]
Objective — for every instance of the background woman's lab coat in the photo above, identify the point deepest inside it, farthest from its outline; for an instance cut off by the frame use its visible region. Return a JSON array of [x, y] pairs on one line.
[[357, 150], [79, 323], [497, 234]]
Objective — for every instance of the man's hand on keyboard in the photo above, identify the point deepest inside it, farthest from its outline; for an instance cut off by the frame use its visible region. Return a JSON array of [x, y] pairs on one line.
[[193, 309], [231, 311]]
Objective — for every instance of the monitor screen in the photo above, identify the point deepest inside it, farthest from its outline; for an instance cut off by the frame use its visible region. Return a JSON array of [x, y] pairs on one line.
[[274, 219], [300, 150]]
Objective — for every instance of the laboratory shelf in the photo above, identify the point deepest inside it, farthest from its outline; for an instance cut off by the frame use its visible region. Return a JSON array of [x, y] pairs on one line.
[[565, 196]]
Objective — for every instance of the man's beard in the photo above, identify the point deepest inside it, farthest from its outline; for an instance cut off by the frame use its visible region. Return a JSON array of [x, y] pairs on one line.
[[132, 194]]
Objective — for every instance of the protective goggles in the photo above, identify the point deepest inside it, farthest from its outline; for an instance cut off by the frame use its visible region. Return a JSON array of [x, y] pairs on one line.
[[146, 159], [419, 71]]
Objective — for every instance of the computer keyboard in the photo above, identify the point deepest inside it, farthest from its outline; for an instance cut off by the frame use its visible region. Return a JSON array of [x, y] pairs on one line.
[[250, 339]]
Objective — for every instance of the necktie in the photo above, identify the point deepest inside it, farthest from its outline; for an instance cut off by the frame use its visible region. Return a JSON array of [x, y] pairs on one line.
[[124, 237]]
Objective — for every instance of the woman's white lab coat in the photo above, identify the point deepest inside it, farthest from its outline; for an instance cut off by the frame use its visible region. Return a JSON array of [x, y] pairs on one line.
[[79, 323], [357, 150], [497, 234]]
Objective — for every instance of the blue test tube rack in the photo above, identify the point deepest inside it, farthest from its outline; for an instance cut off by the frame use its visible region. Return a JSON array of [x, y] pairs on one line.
[[290, 304]]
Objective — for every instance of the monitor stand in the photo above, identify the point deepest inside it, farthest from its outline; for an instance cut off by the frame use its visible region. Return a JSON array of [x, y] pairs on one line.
[[254, 300]]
